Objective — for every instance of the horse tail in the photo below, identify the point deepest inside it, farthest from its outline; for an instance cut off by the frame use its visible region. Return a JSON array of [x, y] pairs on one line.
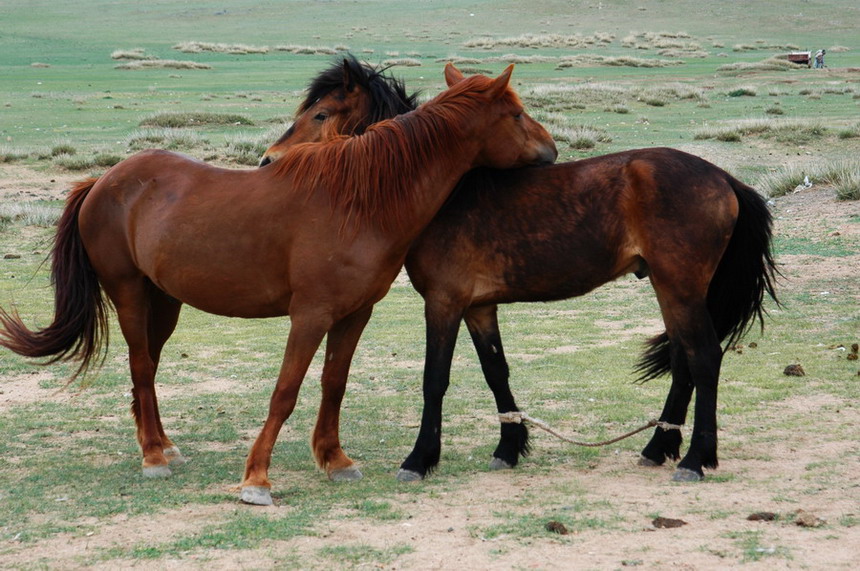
[[736, 293], [79, 329]]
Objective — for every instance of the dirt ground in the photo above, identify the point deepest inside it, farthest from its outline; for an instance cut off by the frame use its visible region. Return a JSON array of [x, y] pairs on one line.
[[768, 473]]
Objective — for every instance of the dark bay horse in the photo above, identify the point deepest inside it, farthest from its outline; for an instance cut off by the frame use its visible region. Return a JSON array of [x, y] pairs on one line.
[[318, 236], [537, 234]]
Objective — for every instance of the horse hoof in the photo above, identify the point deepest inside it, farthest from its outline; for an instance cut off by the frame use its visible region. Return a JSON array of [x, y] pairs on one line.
[[499, 464], [408, 476], [174, 456], [256, 496], [686, 475], [349, 474], [156, 472], [643, 461]]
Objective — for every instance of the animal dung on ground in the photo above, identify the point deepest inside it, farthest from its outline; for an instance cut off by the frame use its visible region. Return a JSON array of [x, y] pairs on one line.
[[762, 516], [806, 519], [667, 522], [794, 371], [556, 527]]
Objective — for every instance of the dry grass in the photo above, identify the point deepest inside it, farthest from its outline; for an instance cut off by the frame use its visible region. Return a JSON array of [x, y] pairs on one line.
[[769, 64], [162, 63], [134, 54], [309, 50], [402, 62], [542, 41], [233, 49], [587, 60]]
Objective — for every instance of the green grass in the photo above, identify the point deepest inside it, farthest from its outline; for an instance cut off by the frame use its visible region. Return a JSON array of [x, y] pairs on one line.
[[622, 76]]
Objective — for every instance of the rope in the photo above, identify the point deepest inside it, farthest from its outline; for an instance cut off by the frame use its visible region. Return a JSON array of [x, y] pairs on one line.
[[518, 417]]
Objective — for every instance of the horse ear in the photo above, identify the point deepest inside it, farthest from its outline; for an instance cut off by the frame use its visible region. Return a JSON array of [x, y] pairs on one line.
[[348, 80], [500, 84], [452, 74]]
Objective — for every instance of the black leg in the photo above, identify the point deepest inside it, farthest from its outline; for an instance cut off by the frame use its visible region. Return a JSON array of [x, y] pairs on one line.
[[443, 324], [483, 326], [666, 444]]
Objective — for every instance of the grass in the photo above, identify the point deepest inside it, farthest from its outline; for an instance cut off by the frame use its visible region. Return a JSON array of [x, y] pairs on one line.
[[844, 176], [70, 464]]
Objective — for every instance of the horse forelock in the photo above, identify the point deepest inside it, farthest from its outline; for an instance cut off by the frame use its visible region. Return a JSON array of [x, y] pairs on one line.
[[388, 96], [370, 176]]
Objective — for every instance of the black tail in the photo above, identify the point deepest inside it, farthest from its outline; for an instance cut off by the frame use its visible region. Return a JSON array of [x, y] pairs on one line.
[[735, 297], [79, 329]]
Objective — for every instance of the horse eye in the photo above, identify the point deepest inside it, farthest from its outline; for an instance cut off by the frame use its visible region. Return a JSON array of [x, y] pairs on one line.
[[320, 117]]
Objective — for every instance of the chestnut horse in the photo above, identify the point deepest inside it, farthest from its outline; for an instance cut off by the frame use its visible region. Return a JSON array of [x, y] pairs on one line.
[[554, 232], [319, 236]]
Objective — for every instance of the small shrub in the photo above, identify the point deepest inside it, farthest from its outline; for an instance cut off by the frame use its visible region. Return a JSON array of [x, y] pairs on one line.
[[848, 188], [63, 149], [9, 155], [162, 63], [774, 110], [742, 92], [405, 62], [193, 119], [851, 132]]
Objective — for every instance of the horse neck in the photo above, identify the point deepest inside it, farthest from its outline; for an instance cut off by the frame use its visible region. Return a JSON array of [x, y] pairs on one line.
[[440, 144]]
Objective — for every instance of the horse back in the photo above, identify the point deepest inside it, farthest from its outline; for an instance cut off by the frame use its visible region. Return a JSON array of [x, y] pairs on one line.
[[559, 231]]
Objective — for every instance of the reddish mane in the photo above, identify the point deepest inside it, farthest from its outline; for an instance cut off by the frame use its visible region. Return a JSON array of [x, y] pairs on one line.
[[374, 192]]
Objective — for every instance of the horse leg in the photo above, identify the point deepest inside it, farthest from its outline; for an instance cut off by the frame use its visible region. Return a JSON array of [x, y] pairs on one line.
[[443, 324], [483, 326], [163, 316], [131, 299], [304, 339], [694, 344], [340, 347], [667, 443]]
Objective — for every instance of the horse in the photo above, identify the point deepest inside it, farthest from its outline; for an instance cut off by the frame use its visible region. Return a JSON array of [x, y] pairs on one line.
[[345, 99], [318, 236], [702, 237]]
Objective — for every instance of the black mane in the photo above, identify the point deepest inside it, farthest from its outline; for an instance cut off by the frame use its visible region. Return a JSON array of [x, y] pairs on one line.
[[388, 94]]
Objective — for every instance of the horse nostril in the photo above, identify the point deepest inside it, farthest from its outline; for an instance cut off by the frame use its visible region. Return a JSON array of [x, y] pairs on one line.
[[549, 155], [264, 161]]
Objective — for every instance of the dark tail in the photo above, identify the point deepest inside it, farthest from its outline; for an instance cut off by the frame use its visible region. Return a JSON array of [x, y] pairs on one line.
[[79, 329], [735, 297]]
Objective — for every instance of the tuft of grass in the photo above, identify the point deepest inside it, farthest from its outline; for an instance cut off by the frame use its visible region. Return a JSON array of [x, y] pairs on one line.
[[10, 155], [135, 54], [166, 138], [232, 49], [28, 213], [402, 62], [791, 131], [80, 162], [851, 132], [770, 64], [193, 119], [247, 150], [162, 63], [844, 176], [583, 60], [743, 92], [310, 50]]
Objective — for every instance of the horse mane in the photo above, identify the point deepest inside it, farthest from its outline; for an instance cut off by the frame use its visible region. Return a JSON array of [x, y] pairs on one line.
[[388, 95], [370, 176]]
